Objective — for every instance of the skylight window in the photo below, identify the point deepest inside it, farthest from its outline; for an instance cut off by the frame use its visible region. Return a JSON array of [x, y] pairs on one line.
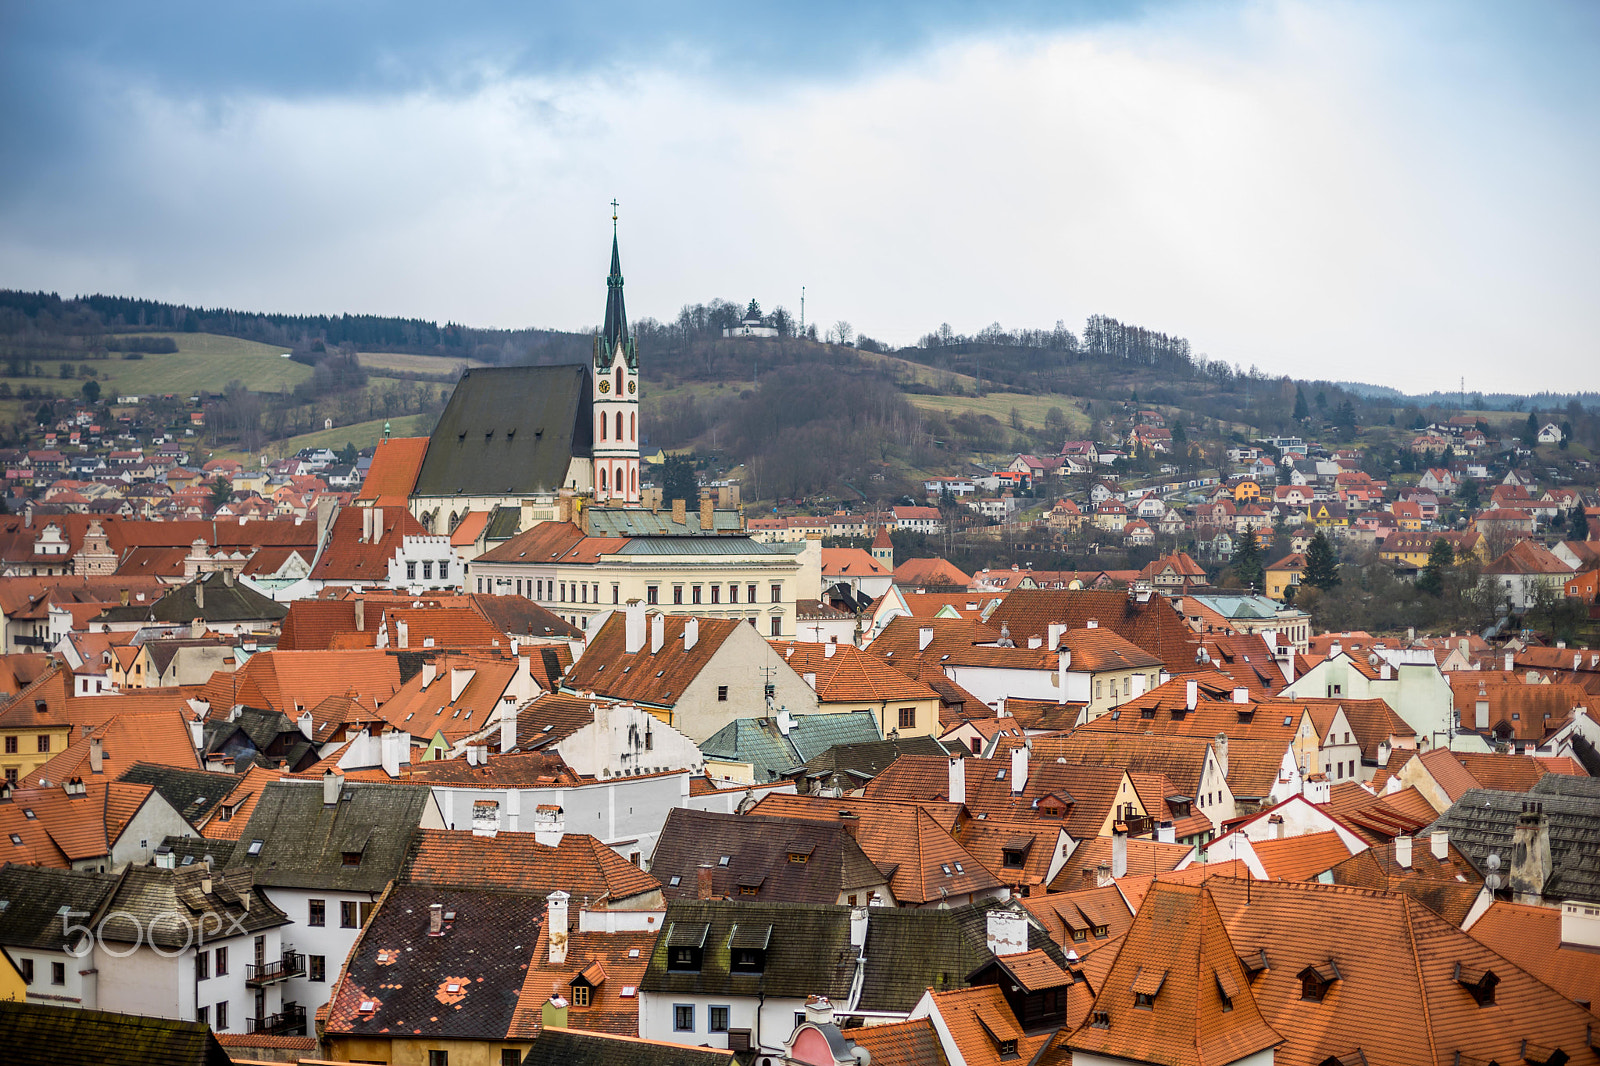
[[723, 861], [255, 847], [28, 814], [15, 839], [945, 867], [674, 882], [633, 953]]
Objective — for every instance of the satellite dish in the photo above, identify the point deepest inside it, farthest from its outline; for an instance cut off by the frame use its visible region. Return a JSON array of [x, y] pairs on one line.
[[1494, 860], [1492, 882]]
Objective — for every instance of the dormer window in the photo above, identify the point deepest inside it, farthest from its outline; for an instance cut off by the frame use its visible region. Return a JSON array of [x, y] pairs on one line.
[[1255, 963], [1146, 986], [747, 948], [686, 945], [1480, 983], [351, 858], [1316, 980]]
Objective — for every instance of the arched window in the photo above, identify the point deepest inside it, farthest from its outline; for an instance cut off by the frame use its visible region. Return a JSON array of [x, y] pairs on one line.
[[604, 425], [633, 480], [619, 481], [602, 479], [619, 383], [619, 425], [633, 426]]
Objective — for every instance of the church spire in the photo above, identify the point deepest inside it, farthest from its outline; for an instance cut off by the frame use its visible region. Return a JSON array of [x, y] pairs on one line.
[[615, 333]]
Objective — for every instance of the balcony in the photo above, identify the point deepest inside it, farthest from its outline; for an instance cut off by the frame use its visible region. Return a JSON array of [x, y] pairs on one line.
[[293, 964], [292, 1022]]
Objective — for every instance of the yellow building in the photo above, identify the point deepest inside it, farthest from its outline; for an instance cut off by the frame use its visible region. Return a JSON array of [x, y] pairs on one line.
[[1246, 490], [1284, 575], [34, 725], [1414, 548], [848, 679], [1326, 515]]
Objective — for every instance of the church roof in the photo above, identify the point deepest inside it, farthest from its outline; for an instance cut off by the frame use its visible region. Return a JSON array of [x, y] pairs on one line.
[[508, 431], [616, 326]]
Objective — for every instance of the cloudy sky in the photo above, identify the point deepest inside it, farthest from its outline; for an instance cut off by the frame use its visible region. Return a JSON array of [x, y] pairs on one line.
[[1397, 193]]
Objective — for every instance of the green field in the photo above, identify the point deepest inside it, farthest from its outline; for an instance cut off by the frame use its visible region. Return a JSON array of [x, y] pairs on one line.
[[406, 363], [202, 361], [1031, 409], [361, 434]]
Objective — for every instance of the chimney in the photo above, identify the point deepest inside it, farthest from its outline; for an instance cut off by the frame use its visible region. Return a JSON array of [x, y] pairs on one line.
[[1166, 833], [436, 919], [958, 781], [197, 732], [125, 596], [556, 925], [1191, 695], [1441, 844], [658, 632], [1384, 671], [1510, 663], [549, 825], [633, 627], [205, 884], [1102, 875], [402, 634], [1119, 850], [850, 822], [924, 637], [554, 1013], [307, 727], [819, 1010], [707, 513], [430, 670], [705, 884], [1481, 708], [679, 513], [96, 755], [1035, 643], [1221, 748], [829, 649], [1241, 695], [200, 596], [1054, 634], [1019, 769], [691, 633], [331, 784], [1402, 851], [858, 927], [1530, 855], [361, 615], [508, 729], [1007, 932], [394, 748], [1317, 788]]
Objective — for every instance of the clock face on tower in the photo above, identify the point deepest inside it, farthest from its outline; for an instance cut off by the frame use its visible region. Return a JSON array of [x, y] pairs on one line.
[[605, 385], [633, 387]]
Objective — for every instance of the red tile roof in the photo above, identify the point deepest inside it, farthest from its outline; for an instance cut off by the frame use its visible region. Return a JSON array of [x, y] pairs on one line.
[[516, 862], [393, 473], [348, 556]]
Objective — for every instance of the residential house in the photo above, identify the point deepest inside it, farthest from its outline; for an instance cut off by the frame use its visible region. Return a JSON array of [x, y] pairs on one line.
[[1524, 570], [847, 679], [1545, 837]]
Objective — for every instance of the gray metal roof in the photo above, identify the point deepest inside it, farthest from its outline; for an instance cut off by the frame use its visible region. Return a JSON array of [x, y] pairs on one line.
[[699, 546], [508, 431], [761, 743], [303, 842], [637, 522]]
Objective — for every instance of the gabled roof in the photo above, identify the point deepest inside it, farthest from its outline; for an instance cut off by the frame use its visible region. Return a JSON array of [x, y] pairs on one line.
[[162, 738], [517, 863], [71, 1036], [347, 555], [935, 573], [656, 678], [1483, 822], [978, 1018], [789, 860], [572, 1047], [808, 950], [611, 963], [508, 431], [223, 602], [846, 674], [393, 473], [772, 752], [57, 829], [1151, 624], [1526, 557], [1300, 858], [33, 897], [192, 793], [1531, 937], [304, 843], [1449, 887]]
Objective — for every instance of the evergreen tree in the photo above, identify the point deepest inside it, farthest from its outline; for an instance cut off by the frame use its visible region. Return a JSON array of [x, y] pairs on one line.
[[1346, 419], [678, 481], [1301, 410], [1247, 561], [1440, 559], [1530, 432], [1322, 563]]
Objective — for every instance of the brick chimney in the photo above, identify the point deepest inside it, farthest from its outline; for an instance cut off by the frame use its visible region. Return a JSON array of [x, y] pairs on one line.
[[1530, 855], [705, 884]]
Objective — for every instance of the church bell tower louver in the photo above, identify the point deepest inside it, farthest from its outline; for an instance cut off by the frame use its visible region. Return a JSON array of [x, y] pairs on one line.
[[616, 395]]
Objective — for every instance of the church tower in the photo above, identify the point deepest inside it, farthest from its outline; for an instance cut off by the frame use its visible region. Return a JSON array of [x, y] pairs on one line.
[[616, 396]]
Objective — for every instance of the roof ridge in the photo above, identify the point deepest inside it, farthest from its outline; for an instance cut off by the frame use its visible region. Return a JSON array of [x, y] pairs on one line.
[[1422, 985]]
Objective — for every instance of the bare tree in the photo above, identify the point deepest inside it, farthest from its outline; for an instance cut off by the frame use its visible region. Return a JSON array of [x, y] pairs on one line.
[[842, 332]]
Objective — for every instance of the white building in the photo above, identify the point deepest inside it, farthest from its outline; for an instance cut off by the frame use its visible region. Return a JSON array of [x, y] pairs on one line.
[[425, 562]]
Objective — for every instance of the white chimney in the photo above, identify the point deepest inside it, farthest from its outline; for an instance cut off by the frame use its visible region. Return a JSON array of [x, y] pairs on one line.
[[307, 726], [429, 672], [197, 733], [924, 637], [1054, 634], [402, 634], [828, 650], [691, 633], [1034, 643], [1119, 850], [1241, 695], [1334, 649], [633, 627], [1007, 932], [819, 1010], [1402, 852], [556, 924], [508, 729], [1167, 833], [331, 784], [1441, 844], [394, 748], [1191, 695], [460, 678], [858, 927], [958, 781], [1510, 662], [1221, 748], [1019, 769], [549, 825], [472, 755], [658, 632]]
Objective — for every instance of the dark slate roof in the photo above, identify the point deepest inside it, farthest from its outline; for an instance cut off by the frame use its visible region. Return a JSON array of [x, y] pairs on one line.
[[303, 842], [186, 851], [31, 898], [1483, 821], [503, 523], [573, 1047], [868, 760], [910, 950], [68, 1036], [758, 851], [485, 948], [225, 603], [509, 430], [169, 909], [192, 793], [808, 953], [615, 332]]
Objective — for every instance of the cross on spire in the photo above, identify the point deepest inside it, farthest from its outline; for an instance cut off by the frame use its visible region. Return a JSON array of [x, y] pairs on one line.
[[613, 216]]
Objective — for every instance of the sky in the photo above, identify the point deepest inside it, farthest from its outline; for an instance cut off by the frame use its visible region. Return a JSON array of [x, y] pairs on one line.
[[1399, 193]]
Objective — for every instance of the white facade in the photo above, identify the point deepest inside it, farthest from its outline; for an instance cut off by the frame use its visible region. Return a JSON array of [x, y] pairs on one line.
[[163, 983], [425, 562], [325, 941], [769, 1022], [1417, 692]]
